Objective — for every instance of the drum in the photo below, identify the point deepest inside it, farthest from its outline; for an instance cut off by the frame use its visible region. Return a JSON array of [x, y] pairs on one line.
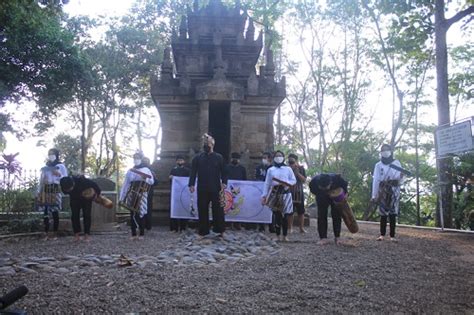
[[297, 194], [275, 198], [90, 194], [48, 195], [134, 195], [339, 198]]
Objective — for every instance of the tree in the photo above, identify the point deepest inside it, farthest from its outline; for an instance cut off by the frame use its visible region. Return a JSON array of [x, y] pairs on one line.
[[38, 59], [70, 150], [442, 25]]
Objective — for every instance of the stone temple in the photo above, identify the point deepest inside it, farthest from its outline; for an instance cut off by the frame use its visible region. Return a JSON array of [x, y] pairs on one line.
[[209, 84]]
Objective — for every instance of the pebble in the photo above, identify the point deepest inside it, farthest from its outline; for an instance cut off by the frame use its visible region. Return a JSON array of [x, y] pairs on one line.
[[189, 250]]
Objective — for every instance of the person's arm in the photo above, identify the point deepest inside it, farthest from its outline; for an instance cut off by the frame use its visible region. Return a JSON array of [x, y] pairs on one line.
[[94, 186], [313, 185], [126, 183], [291, 176], [397, 174], [303, 174], [267, 184], [194, 169], [342, 183], [223, 171], [375, 182], [62, 170]]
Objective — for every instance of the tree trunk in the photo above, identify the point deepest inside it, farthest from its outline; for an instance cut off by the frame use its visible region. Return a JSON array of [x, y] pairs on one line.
[[442, 103]]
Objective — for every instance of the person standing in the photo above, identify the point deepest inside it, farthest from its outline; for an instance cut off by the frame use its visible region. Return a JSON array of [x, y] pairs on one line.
[[235, 171], [208, 167], [320, 186], [281, 178], [48, 194], [386, 190], [75, 186], [179, 171], [138, 176], [260, 173], [297, 192]]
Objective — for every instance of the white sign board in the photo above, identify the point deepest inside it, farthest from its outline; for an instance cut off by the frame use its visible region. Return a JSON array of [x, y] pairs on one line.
[[243, 201], [454, 139]]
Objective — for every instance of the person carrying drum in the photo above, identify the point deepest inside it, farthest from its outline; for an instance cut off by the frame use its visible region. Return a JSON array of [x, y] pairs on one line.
[[386, 190], [49, 195], [278, 180], [134, 193], [297, 192], [320, 186]]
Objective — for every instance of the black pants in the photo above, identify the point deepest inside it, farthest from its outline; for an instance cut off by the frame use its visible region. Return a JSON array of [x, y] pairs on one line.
[[178, 224], [323, 202], [55, 215], [383, 224], [281, 222], [137, 222], [76, 206], [203, 199]]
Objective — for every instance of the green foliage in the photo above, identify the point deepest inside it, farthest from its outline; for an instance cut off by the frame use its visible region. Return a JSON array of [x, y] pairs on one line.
[[70, 150], [24, 225], [38, 59]]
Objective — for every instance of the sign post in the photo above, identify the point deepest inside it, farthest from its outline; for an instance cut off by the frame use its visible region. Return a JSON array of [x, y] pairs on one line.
[[451, 140]]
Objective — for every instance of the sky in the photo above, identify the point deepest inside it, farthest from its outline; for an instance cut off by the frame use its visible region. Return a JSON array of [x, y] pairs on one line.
[[33, 156]]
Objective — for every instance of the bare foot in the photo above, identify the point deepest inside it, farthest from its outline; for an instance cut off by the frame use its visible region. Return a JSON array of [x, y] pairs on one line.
[[141, 238], [87, 238], [302, 231], [380, 238], [133, 238], [393, 239], [286, 239], [323, 241], [77, 238]]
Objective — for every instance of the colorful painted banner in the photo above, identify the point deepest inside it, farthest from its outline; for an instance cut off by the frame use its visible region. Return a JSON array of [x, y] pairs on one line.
[[243, 201]]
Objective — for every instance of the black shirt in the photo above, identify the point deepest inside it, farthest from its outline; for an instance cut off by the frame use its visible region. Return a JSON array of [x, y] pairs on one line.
[[80, 184], [209, 168], [182, 171], [336, 182], [237, 172], [261, 172]]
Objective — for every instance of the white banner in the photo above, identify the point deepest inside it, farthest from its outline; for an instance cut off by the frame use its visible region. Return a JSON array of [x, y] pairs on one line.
[[243, 202]]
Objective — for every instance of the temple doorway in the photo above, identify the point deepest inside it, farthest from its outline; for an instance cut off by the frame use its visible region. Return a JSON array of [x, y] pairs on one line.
[[219, 127]]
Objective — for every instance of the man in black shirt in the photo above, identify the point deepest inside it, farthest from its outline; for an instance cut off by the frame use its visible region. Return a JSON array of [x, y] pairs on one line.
[[74, 186], [180, 171], [208, 166], [321, 185]]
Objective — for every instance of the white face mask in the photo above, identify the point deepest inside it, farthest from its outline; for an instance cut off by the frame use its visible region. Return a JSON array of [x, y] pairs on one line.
[[264, 161], [385, 154], [137, 162], [279, 159], [51, 157]]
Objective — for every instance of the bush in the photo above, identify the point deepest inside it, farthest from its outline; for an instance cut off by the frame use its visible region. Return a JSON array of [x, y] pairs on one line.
[[26, 225]]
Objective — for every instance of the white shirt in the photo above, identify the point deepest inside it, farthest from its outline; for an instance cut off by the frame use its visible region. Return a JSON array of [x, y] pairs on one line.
[[284, 173], [383, 172], [131, 177], [48, 177]]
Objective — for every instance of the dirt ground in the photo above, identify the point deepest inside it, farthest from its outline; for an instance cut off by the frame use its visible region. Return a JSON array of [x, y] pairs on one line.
[[425, 272]]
